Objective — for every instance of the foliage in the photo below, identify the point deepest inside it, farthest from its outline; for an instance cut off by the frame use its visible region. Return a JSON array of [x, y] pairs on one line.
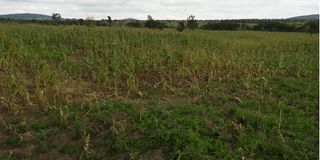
[[56, 16], [180, 26], [109, 21], [223, 25], [275, 26], [192, 22], [311, 27], [135, 24], [282, 25], [151, 23], [244, 26]]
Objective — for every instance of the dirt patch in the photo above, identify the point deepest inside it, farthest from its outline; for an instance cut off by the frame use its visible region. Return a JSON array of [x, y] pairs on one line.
[[26, 150], [28, 136], [155, 154]]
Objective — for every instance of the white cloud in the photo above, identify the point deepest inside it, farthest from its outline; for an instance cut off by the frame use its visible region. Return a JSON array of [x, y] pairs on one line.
[[164, 9]]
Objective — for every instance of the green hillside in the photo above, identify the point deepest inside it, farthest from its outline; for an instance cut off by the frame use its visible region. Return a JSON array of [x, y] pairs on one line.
[[306, 17], [26, 16]]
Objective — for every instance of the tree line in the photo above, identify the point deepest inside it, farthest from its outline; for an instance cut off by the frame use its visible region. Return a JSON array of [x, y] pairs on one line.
[[190, 23], [262, 25]]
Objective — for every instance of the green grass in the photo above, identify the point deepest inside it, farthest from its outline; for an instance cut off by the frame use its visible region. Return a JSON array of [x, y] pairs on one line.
[[90, 93], [190, 131]]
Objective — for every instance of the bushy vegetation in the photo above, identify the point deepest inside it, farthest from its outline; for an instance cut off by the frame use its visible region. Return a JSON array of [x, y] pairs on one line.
[[311, 27], [151, 23], [263, 25], [135, 24], [223, 25], [275, 26], [181, 26], [192, 22], [282, 25], [190, 95]]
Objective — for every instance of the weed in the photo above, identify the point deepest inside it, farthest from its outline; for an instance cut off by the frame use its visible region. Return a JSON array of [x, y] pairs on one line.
[[190, 95]]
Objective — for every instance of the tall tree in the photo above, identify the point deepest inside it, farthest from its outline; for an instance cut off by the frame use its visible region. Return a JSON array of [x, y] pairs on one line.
[[192, 22], [150, 22], [109, 20], [56, 16]]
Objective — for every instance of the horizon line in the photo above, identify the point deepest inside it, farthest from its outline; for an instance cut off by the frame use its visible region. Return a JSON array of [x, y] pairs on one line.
[[165, 19]]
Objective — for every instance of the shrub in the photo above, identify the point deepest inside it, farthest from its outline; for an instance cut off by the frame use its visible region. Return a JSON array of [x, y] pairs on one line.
[[181, 26]]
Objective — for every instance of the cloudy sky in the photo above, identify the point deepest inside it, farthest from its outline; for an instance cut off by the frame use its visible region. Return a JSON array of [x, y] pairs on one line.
[[164, 9]]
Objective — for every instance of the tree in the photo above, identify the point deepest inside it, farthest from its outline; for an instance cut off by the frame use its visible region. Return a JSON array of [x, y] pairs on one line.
[[109, 20], [192, 22], [56, 16], [181, 26], [312, 27], [81, 22], [150, 22]]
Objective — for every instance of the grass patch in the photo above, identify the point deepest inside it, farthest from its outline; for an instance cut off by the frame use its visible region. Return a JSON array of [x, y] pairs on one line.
[[127, 93]]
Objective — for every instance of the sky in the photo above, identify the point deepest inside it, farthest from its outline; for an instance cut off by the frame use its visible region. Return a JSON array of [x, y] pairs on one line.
[[164, 9]]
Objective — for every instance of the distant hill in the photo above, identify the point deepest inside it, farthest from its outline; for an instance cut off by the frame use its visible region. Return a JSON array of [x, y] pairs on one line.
[[26, 16], [306, 17], [129, 19]]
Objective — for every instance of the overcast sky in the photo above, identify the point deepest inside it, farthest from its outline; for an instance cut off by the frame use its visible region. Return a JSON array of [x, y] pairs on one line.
[[164, 9]]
